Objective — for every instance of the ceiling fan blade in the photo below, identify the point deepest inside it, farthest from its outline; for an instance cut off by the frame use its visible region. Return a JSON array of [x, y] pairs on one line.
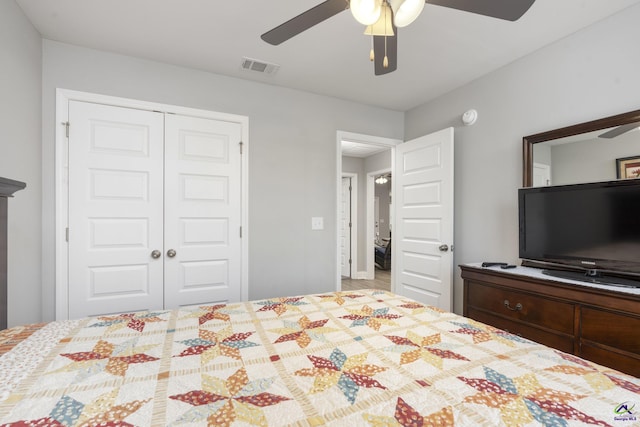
[[392, 53], [304, 21], [510, 10], [617, 131]]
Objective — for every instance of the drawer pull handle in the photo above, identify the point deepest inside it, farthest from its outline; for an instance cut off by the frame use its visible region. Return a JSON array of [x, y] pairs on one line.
[[518, 306]]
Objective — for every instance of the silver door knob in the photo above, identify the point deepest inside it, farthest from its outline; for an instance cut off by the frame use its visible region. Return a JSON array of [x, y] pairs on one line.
[[443, 248], [156, 254], [171, 253]]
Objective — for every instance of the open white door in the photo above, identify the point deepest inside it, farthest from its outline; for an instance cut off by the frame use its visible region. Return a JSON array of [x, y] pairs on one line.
[[423, 210]]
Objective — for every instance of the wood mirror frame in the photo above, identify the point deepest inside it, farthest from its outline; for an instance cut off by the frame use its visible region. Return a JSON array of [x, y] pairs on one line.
[[605, 123]]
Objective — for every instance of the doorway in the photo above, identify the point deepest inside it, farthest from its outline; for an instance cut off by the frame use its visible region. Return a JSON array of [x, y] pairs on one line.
[[366, 157]]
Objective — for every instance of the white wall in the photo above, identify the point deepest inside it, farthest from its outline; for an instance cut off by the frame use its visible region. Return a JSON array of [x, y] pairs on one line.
[[292, 157], [20, 139], [590, 74]]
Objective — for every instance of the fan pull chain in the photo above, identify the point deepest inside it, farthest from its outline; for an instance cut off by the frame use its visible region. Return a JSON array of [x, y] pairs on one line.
[[372, 54], [385, 61]]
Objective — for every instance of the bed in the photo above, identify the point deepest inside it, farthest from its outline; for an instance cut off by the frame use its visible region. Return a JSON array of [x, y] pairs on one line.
[[367, 358]]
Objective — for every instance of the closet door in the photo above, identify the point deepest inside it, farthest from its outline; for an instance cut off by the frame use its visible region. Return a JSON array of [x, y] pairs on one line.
[[115, 209], [202, 211]]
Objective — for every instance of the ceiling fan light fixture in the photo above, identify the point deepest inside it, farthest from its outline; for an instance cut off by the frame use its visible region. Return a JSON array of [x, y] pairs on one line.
[[406, 11], [384, 25], [366, 12], [382, 179]]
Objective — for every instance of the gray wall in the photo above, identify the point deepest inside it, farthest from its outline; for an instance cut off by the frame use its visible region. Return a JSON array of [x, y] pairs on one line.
[[590, 74], [20, 141], [592, 160], [292, 157]]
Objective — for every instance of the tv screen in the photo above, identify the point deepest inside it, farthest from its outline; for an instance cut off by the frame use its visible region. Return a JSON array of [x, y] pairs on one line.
[[593, 226]]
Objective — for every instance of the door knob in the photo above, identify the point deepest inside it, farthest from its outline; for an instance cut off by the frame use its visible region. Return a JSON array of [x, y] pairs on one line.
[[171, 253], [156, 254], [443, 248]]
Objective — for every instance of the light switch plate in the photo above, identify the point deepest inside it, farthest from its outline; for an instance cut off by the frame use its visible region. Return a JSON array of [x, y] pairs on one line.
[[317, 223]]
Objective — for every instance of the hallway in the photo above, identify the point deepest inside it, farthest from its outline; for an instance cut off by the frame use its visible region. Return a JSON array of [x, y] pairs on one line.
[[382, 281]]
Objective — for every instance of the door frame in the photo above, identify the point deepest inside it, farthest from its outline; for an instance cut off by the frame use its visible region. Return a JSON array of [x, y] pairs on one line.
[[363, 139], [61, 255], [353, 231], [371, 195]]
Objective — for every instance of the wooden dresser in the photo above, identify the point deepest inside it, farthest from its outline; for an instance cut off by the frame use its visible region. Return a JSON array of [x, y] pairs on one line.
[[601, 325], [7, 188]]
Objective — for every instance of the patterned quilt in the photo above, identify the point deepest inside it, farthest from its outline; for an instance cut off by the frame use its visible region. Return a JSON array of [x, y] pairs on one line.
[[366, 358]]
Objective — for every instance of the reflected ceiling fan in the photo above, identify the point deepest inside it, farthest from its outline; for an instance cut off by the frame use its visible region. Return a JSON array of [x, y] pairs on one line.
[[617, 131], [384, 17]]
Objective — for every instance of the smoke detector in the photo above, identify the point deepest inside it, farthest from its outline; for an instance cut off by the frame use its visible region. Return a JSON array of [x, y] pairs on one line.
[[259, 66]]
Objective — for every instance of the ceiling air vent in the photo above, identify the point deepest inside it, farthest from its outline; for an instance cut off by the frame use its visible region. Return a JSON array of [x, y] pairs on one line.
[[259, 66]]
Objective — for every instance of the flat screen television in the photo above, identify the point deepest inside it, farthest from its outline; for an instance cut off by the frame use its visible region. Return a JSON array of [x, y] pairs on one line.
[[588, 232]]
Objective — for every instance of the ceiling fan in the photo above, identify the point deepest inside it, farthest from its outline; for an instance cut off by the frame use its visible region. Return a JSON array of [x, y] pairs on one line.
[[384, 17], [617, 131]]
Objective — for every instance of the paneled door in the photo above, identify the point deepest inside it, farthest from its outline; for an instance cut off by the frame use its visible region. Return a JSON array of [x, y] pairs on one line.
[[202, 213], [423, 205], [154, 210]]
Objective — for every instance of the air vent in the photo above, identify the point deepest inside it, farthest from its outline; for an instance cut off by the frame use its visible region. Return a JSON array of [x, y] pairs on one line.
[[259, 66]]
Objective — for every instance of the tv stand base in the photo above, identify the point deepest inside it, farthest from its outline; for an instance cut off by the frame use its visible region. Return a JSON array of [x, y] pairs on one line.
[[601, 325], [593, 276]]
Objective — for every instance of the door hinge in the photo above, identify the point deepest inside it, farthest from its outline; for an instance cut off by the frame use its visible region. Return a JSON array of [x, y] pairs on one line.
[[66, 128], [241, 146], [66, 233], [350, 225], [349, 261], [350, 188], [241, 232]]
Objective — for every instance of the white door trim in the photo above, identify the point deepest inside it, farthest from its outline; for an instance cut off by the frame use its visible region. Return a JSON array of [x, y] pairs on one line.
[[371, 194], [354, 224], [63, 97], [365, 139]]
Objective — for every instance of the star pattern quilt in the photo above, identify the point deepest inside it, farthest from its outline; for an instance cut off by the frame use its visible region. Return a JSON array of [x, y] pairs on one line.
[[365, 358]]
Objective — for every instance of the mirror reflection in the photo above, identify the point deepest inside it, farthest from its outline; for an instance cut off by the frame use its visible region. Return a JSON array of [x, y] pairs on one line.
[[604, 149], [601, 155]]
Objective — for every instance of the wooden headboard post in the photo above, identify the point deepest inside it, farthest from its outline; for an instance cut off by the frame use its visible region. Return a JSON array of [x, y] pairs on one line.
[[7, 188]]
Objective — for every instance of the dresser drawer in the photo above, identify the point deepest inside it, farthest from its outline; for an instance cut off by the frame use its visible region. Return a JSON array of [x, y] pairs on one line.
[[540, 311], [556, 340], [615, 330]]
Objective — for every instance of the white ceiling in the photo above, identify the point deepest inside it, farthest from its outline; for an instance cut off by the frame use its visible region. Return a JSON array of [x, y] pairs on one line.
[[442, 50], [362, 150]]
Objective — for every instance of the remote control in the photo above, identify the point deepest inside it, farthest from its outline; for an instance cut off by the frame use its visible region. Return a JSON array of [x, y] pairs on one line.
[[508, 266], [493, 264]]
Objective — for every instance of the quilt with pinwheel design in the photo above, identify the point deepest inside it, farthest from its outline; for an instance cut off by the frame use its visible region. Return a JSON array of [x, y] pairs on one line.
[[361, 358]]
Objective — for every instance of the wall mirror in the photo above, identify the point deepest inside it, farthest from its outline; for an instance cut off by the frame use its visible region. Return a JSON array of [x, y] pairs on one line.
[[600, 150]]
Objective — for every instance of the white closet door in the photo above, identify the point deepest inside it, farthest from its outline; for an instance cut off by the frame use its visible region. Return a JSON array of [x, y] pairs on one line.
[[115, 209], [202, 211]]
